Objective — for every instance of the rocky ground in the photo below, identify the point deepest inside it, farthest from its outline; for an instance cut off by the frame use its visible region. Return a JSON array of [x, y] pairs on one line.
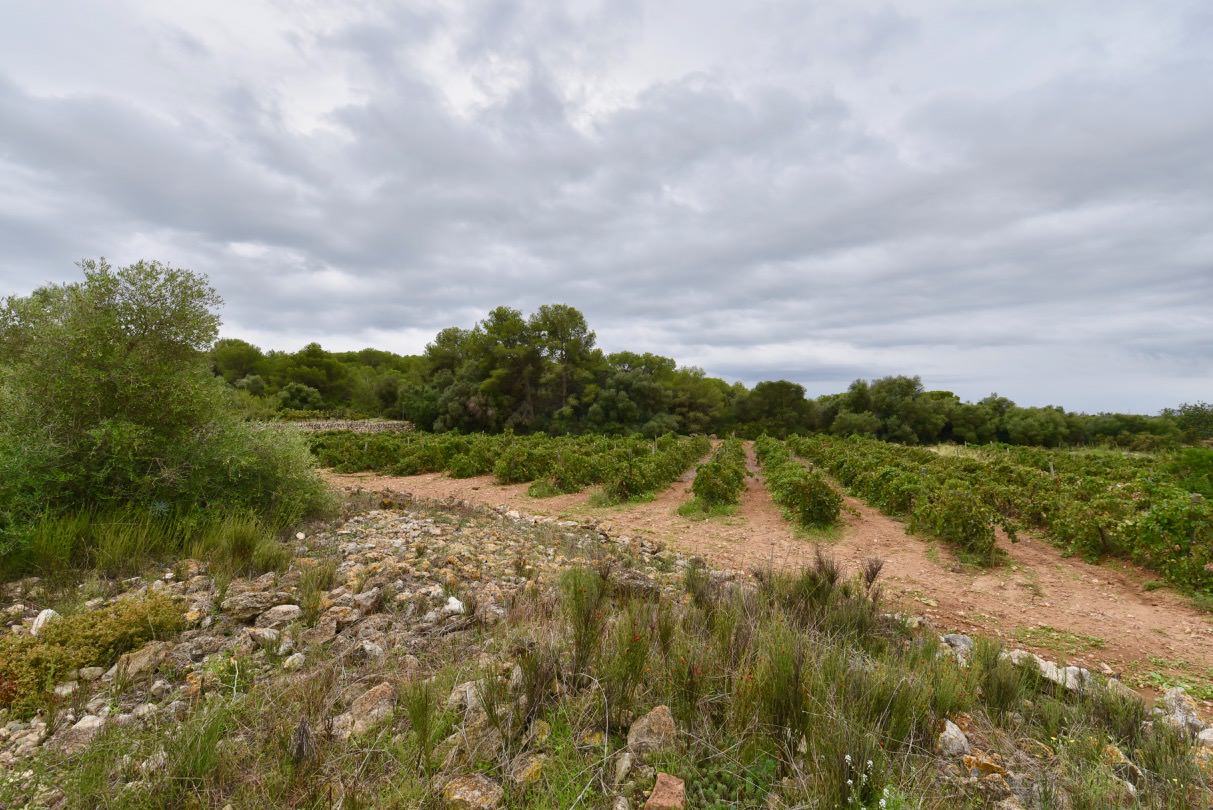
[[411, 582]]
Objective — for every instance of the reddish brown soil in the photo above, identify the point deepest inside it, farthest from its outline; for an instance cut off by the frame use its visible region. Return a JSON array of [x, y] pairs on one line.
[[1036, 587]]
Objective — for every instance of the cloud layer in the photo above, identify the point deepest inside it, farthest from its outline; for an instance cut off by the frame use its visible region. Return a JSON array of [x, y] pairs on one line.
[[1010, 196]]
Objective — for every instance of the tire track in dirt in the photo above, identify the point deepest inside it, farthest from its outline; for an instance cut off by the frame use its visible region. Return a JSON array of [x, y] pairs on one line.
[[1037, 587]]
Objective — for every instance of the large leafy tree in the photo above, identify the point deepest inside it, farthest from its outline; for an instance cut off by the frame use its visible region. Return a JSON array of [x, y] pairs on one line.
[[107, 397]]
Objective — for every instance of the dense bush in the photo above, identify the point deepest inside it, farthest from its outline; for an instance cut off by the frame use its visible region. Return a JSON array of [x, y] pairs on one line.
[[107, 402], [641, 471], [953, 513]]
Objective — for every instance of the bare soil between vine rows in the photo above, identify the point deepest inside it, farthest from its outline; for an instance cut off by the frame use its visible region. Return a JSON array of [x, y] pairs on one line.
[[1117, 626]]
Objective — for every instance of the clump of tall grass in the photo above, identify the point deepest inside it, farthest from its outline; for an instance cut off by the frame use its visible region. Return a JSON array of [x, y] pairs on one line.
[[582, 594], [314, 583], [239, 545]]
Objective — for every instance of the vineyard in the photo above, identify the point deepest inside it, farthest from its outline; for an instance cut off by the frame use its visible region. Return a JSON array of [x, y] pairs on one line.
[[626, 468], [1152, 510], [805, 495]]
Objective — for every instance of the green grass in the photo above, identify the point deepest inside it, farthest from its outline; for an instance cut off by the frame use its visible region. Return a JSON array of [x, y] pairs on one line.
[[1061, 641], [696, 509]]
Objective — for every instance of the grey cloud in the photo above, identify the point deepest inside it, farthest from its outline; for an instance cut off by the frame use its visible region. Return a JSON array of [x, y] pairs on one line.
[[816, 200]]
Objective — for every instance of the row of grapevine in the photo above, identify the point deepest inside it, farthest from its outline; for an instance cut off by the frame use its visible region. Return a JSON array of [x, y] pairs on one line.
[[1090, 504], [626, 466], [803, 492], [637, 474], [721, 480], [911, 483]]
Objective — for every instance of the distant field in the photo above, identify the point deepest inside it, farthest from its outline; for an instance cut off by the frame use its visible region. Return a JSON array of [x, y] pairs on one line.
[[1153, 509]]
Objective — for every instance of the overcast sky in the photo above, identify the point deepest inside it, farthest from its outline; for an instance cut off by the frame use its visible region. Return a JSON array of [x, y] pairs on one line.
[[998, 195]]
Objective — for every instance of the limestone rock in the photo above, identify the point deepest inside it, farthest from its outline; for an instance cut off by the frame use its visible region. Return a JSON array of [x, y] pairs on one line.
[[1181, 711], [623, 766], [278, 616], [528, 769], [144, 660], [653, 732], [41, 620], [265, 637], [952, 741], [247, 604], [368, 709], [474, 792], [960, 645], [324, 632], [669, 793], [81, 734]]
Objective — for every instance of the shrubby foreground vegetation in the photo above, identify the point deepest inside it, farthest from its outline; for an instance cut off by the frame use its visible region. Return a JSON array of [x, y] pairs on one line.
[[116, 441], [545, 373]]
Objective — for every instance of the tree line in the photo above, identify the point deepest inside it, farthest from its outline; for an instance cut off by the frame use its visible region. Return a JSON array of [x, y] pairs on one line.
[[546, 373]]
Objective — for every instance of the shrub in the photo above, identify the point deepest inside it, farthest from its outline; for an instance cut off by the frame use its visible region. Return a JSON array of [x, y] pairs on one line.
[[314, 583], [804, 493], [107, 401], [31, 666], [240, 545], [582, 592]]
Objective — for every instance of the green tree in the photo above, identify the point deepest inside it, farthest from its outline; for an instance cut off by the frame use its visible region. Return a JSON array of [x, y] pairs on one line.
[[299, 397], [777, 408], [107, 398], [234, 359]]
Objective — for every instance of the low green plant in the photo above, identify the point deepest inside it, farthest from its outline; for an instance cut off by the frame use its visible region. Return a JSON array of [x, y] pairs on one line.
[[721, 480], [955, 514], [314, 582], [421, 706], [31, 666], [625, 657], [804, 493]]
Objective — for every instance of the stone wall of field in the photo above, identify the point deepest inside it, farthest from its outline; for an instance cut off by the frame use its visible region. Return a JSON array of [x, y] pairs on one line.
[[353, 425]]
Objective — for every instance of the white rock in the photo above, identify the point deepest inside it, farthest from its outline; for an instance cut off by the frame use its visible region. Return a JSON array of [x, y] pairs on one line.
[[952, 741], [1181, 711], [82, 733], [144, 711], [453, 606], [41, 621], [279, 616], [293, 662]]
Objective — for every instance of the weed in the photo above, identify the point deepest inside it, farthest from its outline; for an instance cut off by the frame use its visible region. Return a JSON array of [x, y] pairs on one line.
[[582, 592], [314, 583], [422, 708]]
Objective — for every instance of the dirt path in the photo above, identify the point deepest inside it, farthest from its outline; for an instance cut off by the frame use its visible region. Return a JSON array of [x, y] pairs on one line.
[[1098, 616]]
